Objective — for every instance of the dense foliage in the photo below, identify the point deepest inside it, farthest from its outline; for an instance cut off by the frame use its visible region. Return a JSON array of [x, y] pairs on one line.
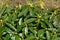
[[29, 22]]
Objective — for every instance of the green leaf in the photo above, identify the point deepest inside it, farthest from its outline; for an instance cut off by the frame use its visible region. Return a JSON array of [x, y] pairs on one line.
[[31, 29], [32, 14], [24, 12], [14, 17], [2, 29], [17, 37], [11, 26], [8, 30], [26, 30], [30, 37], [20, 21], [49, 23], [43, 24], [8, 18], [30, 20], [19, 28], [7, 37], [51, 18], [47, 35], [40, 33]]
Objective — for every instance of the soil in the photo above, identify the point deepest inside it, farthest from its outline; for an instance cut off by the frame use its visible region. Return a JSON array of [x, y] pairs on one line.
[[49, 3]]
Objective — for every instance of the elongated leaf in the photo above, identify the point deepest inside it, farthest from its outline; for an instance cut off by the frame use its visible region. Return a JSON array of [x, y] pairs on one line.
[[2, 29], [19, 28], [8, 24], [24, 12], [40, 33], [17, 37], [26, 30], [47, 35], [30, 20], [8, 30], [7, 37], [49, 24], [20, 21], [43, 25]]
